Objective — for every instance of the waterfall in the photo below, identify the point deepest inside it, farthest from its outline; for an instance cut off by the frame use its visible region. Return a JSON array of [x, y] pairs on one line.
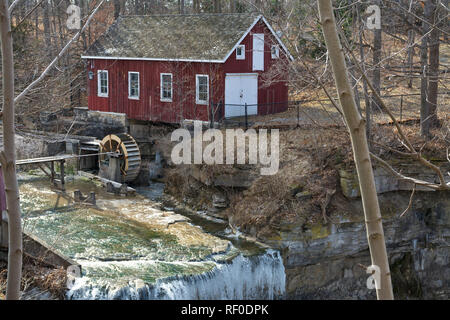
[[254, 277]]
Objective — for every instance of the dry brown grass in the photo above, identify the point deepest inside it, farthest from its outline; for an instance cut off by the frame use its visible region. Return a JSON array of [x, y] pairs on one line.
[[47, 279]]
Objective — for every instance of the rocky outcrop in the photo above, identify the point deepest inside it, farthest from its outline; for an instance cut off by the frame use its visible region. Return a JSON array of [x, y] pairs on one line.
[[324, 261], [386, 182], [237, 177]]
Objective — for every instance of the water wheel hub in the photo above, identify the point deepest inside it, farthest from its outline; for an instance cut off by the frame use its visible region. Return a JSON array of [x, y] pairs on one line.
[[123, 147]]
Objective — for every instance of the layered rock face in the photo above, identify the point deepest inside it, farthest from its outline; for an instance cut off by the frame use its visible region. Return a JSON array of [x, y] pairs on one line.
[[326, 262]]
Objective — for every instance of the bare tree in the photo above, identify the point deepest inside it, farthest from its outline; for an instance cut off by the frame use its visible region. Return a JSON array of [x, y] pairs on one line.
[[116, 9], [8, 154], [181, 7], [424, 105], [433, 79], [217, 6], [8, 157], [375, 234], [411, 36], [196, 6], [376, 59]]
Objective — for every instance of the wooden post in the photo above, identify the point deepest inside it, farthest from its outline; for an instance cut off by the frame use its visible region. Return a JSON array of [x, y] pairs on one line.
[[62, 174], [52, 171], [211, 115], [401, 108], [246, 117], [4, 230]]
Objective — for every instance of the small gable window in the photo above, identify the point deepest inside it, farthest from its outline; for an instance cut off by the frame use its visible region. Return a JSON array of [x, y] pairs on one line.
[[275, 51], [133, 85], [166, 87], [240, 52], [102, 83], [202, 89]]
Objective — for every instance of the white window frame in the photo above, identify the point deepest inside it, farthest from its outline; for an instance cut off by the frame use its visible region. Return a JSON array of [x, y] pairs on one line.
[[197, 89], [242, 56], [99, 92], [277, 51], [171, 87], [129, 85]]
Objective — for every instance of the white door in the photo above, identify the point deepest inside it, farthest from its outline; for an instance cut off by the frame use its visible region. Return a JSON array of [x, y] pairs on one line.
[[241, 89], [258, 52]]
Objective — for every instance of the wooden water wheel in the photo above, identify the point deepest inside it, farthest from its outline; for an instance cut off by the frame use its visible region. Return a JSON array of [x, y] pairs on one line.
[[125, 147]]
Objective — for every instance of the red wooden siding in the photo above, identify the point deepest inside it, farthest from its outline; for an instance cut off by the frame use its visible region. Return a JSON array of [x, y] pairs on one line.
[[183, 105], [149, 106]]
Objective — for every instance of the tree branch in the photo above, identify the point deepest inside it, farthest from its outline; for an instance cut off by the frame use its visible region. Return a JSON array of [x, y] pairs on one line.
[[60, 54], [12, 6], [410, 202], [27, 15], [427, 184]]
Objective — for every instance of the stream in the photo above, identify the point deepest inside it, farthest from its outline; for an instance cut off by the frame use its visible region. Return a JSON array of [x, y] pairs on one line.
[[139, 247]]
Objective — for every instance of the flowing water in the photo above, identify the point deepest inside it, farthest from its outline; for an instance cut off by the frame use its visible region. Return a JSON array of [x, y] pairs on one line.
[[139, 248]]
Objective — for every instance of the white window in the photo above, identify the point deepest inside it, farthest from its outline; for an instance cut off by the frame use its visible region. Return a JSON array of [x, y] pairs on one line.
[[275, 51], [240, 52], [102, 83], [133, 85], [166, 87], [201, 89]]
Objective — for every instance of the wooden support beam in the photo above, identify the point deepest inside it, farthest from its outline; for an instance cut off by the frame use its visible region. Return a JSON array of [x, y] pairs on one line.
[[61, 168], [52, 171], [44, 171]]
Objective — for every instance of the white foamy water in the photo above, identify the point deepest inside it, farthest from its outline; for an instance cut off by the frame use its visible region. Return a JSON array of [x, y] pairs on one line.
[[255, 277]]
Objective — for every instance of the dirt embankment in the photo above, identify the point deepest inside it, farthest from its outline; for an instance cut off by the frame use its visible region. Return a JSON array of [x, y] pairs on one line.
[[305, 191]]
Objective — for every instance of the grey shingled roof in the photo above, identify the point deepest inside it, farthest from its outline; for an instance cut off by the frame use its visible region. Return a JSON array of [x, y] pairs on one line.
[[183, 37]]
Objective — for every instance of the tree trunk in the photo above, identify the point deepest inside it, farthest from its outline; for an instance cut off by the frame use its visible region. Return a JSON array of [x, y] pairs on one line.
[[196, 6], [258, 5], [8, 159], [424, 105], [363, 65], [232, 6], [376, 74], [46, 22], [217, 6], [181, 6], [433, 78], [411, 36], [116, 9], [36, 21], [375, 234]]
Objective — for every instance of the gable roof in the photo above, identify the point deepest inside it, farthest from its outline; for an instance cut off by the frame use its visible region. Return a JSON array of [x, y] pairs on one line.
[[191, 37]]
